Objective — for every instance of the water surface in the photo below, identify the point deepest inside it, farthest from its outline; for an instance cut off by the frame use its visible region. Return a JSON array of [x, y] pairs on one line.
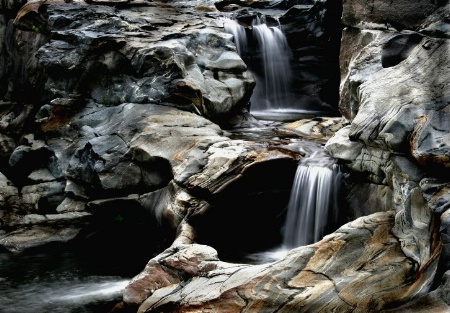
[[58, 281]]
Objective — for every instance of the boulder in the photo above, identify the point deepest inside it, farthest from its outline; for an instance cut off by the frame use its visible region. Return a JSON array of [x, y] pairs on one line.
[[338, 273]]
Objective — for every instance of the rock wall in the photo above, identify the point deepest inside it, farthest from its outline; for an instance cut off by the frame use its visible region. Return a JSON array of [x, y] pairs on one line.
[[106, 104], [395, 92]]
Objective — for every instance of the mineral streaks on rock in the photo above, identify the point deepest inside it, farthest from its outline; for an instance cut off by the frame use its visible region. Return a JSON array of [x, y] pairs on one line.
[[317, 129], [338, 274], [402, 115], [419, 91], [395, 93], [233, 160]]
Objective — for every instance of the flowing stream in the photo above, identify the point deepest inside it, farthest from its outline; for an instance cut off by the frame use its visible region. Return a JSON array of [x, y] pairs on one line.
[[313, 205]]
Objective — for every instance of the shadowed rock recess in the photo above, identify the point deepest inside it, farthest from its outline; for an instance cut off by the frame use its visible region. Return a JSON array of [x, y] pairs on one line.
[[114, 109]]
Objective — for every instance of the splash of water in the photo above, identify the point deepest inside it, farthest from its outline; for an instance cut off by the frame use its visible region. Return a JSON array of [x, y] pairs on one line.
[[87, 292], [60, 294]]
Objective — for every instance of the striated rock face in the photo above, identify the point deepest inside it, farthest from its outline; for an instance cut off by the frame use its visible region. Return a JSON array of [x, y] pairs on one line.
[[332, 275], [395, 94]]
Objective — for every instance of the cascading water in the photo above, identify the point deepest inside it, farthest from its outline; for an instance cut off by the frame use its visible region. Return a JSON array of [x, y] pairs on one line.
[[276, 80], [273, 73], [238, 32], [313, 204], [313, 209]]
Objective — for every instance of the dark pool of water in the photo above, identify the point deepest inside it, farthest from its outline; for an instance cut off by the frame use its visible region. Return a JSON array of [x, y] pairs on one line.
[[58, 281]]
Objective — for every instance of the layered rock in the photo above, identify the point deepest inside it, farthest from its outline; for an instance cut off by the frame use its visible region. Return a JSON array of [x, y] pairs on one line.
[[91, 113], [394, 91], [331, 275]]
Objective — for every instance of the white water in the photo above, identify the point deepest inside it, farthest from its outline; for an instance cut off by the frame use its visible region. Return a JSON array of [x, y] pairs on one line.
[[274, 77], [313, 205], [238, 32], [274, 86]]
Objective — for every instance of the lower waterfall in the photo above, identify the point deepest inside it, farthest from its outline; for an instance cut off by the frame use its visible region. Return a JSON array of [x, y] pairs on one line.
[[313, 208], [313, 204]]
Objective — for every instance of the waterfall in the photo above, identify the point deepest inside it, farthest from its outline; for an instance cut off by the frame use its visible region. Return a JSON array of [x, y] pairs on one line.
[[272, 70], [238, 32], [313, 204], [313, 209]]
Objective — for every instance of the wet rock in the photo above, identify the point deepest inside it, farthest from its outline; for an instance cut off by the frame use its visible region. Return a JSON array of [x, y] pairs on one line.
[[39, 230], [304, 280], [318, 129], [97, 62], [384, 14]]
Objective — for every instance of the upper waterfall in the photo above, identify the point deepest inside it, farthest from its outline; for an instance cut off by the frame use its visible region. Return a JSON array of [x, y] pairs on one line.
[[269, 61]]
